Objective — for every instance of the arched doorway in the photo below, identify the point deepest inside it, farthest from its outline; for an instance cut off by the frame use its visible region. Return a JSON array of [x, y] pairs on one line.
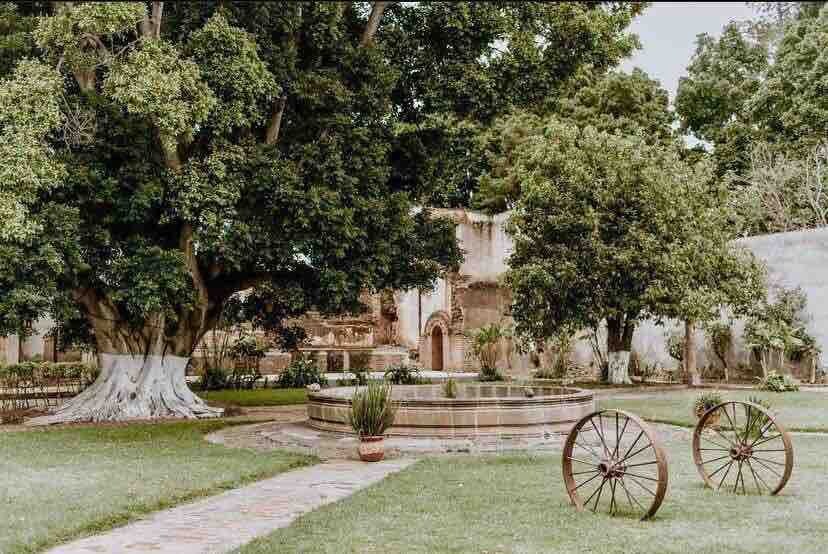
[[437, 348]]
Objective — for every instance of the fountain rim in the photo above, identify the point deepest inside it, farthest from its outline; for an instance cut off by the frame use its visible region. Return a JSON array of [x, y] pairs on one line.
[[325, 396]]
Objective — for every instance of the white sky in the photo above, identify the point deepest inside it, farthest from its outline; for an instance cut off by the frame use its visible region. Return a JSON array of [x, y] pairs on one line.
[[668, 31]]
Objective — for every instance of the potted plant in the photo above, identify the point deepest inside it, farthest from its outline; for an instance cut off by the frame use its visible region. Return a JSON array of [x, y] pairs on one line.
[[372, 413], [706, 401]]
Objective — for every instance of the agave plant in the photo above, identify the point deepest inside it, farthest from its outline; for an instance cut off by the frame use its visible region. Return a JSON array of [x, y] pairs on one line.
[[372, 410]]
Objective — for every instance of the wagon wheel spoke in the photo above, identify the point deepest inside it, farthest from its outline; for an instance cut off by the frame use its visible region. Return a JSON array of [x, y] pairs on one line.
[[716, 459], [592, 463], [612, 500], [587, 481], [596, 491], [601, 436], [711, 441], [630, 497], [637, 482], [589, 449], [757, 478]]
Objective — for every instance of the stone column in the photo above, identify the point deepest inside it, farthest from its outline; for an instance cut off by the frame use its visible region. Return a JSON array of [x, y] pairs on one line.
[[12, 349], [346, 360]]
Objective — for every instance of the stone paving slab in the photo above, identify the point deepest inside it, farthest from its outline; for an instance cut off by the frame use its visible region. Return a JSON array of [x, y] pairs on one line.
[[224, 522]]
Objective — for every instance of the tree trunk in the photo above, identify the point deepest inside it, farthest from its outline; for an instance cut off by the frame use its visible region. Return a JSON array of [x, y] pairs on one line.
[[142, 371], [693, 377], [619, 345], [133, 387]]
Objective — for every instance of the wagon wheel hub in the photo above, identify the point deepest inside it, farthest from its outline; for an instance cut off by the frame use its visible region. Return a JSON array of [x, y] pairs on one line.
[[741, 452], [611, 469]]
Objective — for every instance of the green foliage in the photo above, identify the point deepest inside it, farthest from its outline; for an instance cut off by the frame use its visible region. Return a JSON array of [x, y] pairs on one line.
[[705, 401], [723, 75], [250, 347], [16, 41], [759, 424], [485, 347], [300, 373], [155, 82], [213, 378], [607, 227], [37, 385], [489, 374], [229, 61], [403, 375], [627, 103], [29, 112], [462, 64], [450, 388], [73, 32], [675, 345], [372, 410], [775, 382], [614, 103], [720, 339], [153, 186], [791, 104], [776, 330]]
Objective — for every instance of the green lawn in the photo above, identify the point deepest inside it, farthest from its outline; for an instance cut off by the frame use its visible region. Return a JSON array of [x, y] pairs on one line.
[[256, 397], [59, 484], [517, 504], [797, 411]]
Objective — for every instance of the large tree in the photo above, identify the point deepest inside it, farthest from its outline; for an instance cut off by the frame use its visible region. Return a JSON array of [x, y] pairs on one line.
[[615, 102], [723, 76], [464, 64], [170, 155], [601, 229]]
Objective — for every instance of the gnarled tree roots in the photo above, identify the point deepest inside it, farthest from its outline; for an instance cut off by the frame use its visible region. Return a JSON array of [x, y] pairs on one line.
[[133, 387]]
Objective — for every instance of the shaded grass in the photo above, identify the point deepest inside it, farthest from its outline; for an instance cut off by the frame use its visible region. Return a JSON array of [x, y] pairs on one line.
[[797, 411], [518, 504], [256, 397], [59, 484]]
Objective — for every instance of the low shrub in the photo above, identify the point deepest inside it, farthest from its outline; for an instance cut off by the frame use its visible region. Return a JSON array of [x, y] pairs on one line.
[[758, 424], [372, 410], [213, 378], [403, 375], [705, 401], [301, 373], [450, 388], [244, 377], [490, 374], [545, 373], [36, 385], [776, 382]]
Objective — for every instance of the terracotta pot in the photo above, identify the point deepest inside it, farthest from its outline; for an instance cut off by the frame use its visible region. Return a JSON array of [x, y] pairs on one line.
[[371, 449]]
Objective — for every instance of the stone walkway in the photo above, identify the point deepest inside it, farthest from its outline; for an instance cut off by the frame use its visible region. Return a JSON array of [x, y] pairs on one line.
[[225, 522]]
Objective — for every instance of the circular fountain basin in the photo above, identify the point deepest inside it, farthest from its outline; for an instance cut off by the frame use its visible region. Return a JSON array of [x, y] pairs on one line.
[[478, 409]]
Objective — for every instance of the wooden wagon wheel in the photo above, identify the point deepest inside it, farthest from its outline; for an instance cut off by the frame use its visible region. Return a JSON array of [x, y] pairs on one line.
[[614, 463], [737, 440]]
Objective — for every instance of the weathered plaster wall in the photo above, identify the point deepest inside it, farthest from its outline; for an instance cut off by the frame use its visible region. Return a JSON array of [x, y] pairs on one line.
[[793, 259]]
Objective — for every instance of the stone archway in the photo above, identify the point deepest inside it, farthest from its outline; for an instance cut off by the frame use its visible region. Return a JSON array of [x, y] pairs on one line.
[[437, 349], [435, 346]]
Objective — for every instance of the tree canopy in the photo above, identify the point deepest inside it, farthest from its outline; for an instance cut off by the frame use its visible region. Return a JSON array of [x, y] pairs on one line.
[[464, 64], [158, 160], [617, 102], [609, 227]]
